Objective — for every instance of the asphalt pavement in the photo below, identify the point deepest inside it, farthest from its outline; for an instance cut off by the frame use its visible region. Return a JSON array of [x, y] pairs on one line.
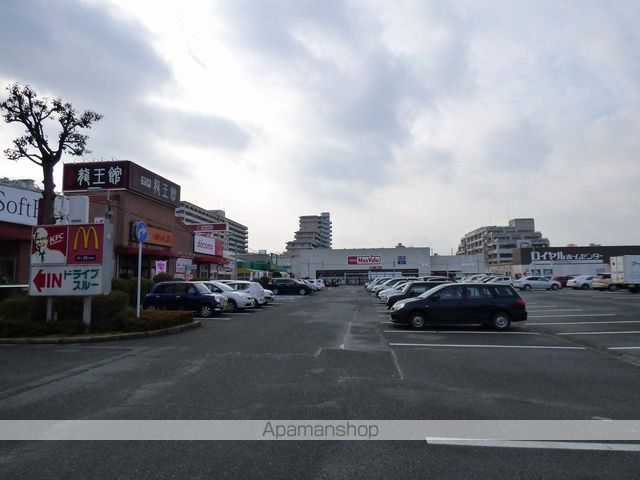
[[335, 356]]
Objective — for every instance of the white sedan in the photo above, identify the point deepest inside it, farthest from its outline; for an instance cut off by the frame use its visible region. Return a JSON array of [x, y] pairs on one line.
[[527, 283]]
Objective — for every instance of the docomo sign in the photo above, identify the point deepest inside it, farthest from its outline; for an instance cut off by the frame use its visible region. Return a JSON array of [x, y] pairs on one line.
[[207, 245], [364, 260]]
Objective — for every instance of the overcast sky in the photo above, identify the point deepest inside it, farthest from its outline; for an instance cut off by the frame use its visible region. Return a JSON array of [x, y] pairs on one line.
[[409, 121]]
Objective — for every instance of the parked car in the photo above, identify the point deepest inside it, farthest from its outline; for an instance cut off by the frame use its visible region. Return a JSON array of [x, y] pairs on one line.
[[319, 283], [563, 279], [435, 278], [391, 284], [397, 288], [252, 288], [290, 286], [411, 290], [235, 300], [527, 283], [602, 281], [269, 296], [376, 281], [455, 303], [179, 295], [582, 282], [499, 281]]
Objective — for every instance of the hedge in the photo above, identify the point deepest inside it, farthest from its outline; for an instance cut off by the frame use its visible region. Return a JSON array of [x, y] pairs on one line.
[[130, 287]]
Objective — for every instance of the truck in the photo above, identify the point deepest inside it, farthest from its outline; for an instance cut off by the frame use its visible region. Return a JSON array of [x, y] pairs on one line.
[[625, 272]]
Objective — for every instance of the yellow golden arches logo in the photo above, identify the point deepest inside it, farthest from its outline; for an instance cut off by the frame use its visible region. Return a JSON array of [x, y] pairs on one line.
[[85, 238]]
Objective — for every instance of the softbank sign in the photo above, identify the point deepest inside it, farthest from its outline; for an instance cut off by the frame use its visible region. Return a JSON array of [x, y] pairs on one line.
[[364, 260], [207, 245], [18, 205]]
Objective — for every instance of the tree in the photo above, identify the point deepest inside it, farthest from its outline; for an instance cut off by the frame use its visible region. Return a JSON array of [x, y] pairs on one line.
[[23, 106]]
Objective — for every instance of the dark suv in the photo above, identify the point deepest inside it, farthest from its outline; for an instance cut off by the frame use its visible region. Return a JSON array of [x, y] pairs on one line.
[[462, 303], [193, 296], [281, 286]]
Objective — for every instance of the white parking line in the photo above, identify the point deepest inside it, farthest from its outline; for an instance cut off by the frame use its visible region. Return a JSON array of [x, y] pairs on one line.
[[598, 333], [596, 446], [555, 310], [482, 346], [211, 318], [438, 332], [574, 315], [387, 323], [623, 348], [583, 323]]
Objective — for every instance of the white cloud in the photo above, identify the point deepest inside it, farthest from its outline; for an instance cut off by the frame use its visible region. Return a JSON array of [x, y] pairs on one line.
[[410, 122]]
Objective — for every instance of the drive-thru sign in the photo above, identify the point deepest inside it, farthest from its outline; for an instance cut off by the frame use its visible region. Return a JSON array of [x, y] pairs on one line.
[[71, 260]]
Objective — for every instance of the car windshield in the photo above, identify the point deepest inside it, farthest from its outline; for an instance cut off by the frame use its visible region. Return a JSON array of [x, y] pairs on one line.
[[201, 288], [223, 286]]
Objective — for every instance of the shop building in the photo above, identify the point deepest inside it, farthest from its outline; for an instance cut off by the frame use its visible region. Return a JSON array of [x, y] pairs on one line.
[[565, 260], [123, 193], [357, 266], [18, 213]]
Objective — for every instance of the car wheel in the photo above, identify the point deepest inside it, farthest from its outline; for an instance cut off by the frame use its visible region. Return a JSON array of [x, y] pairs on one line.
[[417, 320], [585, 286], [527, 287], [501, 321], [612, 288], [232, 306], [275, 291], [206, 310], [302, 291], [554, 287], [256, 303]]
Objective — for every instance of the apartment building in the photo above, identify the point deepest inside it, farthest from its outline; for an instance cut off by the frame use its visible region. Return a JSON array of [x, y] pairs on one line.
[[236, 238], [496, 243], [314, 231]]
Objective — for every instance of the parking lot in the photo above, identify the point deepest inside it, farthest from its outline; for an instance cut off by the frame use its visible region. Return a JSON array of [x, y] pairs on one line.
[[567, 319], [333, 355]]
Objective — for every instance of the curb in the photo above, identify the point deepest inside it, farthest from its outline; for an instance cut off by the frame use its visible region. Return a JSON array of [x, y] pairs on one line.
[[101, 338]]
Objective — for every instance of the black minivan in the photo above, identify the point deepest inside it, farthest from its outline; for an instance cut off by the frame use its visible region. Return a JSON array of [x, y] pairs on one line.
[[193, 296], [462, 303]]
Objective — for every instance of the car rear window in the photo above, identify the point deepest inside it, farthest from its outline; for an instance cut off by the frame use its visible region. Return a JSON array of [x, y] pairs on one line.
[[503, 291]]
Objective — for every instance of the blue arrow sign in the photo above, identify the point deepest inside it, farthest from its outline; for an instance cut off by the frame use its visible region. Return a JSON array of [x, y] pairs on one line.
[[141, 231]]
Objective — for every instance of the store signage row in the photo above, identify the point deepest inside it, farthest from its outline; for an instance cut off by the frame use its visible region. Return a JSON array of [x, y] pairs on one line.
[[207, 245], [18, 205], [207, 227], [71, 259], [560, 256], [121, 174], [364, 260]]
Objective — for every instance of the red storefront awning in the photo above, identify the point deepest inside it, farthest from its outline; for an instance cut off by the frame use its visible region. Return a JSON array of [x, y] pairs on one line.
[[210, 259], [151, 252]]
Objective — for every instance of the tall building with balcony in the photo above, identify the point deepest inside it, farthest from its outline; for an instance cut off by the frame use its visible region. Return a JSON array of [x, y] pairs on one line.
[[496, 243], [314, 231], [236, 238]]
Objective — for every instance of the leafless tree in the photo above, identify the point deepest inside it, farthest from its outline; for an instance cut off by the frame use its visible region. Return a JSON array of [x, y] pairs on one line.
[[23, 106]]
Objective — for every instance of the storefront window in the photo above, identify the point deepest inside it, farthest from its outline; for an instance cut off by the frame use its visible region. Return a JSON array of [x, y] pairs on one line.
[[7, 270]]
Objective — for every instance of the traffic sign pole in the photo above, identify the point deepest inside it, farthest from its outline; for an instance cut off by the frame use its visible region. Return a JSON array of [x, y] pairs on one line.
[[141, 234], [139, 278]]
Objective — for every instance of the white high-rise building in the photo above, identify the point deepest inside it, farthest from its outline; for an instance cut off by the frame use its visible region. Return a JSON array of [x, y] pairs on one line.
[[314, 232], [236, 238]]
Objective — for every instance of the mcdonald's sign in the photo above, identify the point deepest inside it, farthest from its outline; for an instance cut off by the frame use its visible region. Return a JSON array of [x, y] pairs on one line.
[[85, 244]]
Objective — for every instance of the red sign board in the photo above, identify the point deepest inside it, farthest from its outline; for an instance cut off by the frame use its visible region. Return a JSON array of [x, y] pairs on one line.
[[85, 244], [364, 260]]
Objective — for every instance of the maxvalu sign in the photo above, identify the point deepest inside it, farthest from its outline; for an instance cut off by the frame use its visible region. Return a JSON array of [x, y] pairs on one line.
[[18, 205], [364, 260]]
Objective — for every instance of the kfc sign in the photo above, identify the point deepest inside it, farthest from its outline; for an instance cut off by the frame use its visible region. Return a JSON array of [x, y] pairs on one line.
[[364, 260]]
